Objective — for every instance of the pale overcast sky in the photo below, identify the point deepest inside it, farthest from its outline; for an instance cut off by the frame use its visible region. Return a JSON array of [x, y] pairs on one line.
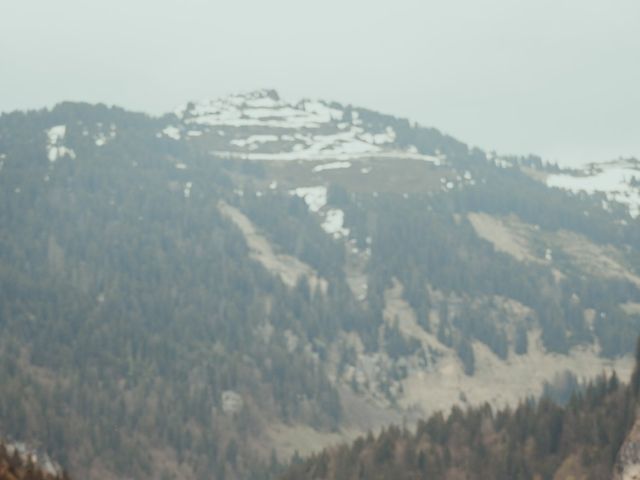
[[556, 77]]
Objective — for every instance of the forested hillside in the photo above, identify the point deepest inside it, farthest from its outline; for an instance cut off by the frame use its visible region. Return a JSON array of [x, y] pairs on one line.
[[536, 439], [206, 293]]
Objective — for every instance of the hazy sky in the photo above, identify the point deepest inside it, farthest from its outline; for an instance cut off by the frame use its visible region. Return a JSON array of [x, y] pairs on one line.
[[556, 77]]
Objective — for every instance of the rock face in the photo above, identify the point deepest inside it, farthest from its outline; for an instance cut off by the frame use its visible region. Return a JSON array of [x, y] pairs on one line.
[[628, 463], [19, 461]]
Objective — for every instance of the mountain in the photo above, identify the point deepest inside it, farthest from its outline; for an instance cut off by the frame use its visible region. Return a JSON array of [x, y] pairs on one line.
[[205, 293]]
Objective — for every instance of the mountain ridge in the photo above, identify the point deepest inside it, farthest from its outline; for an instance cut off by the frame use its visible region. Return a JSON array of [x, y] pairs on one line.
[[209, 304]]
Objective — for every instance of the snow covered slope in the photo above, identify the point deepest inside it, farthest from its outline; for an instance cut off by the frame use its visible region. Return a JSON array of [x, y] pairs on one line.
[[618, 180], [261, 126]]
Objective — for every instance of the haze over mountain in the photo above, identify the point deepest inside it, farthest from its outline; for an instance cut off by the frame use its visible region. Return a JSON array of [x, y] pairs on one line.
[[205, 293]]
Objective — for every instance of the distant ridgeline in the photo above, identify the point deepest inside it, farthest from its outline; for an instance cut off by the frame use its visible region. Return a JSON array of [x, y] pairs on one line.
[[591, 438], [202, 294]]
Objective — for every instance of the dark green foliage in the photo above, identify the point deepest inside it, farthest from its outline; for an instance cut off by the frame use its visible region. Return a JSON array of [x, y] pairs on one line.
[[127, 309], [635, 377], [426, 240], [397, 345], [465, 352], [563, 387], [521, 341]]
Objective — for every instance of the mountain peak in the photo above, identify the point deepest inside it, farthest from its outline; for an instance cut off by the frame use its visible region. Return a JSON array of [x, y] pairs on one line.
[[258, 125]]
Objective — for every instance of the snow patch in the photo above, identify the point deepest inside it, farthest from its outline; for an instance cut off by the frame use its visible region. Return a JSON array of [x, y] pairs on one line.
[[331, 166], [243, 142], [354, 151], [615, 180], [56, 134], [187, 189], [172, 132], [322, 131], [55, 148], [314, 197], [257, 109], [334, 223], [102, 138], [232, 402]]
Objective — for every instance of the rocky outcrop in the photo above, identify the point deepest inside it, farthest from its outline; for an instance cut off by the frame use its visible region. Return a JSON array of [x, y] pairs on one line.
[[627, 465]]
